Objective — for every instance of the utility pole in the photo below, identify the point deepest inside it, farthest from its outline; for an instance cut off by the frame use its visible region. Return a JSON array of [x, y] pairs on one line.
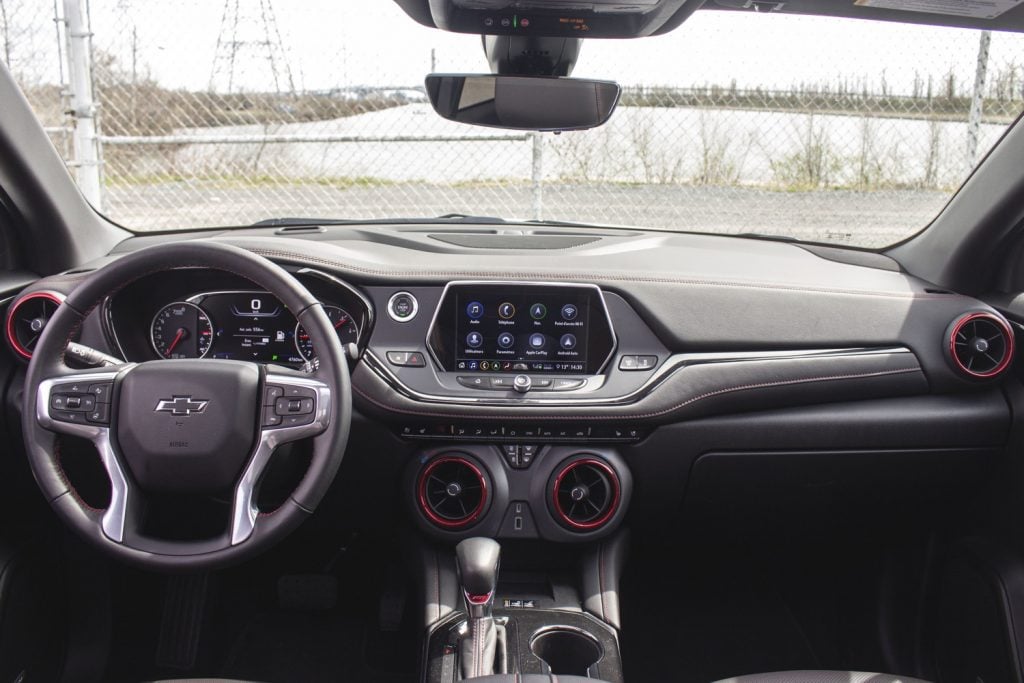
[[83, 106], [977, 99], [537, 176]]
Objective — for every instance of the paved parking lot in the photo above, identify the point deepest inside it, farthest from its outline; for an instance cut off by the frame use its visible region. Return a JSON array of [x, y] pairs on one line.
[[866, 219]]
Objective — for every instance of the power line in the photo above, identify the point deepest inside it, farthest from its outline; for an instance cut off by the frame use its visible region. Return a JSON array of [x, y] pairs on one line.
[[249, 35]]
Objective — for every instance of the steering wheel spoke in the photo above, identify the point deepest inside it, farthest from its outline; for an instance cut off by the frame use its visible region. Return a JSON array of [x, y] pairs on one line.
[[294, 408], [81, 404]]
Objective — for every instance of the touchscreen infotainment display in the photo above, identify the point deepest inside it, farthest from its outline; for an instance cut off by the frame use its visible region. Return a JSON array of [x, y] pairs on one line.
[[521, 328]]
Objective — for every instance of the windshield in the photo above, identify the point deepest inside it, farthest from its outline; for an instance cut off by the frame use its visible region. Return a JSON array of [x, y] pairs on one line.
[[227, 113]]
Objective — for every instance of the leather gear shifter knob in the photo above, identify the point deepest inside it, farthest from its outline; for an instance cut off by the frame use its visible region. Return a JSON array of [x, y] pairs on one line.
[[477, 560]]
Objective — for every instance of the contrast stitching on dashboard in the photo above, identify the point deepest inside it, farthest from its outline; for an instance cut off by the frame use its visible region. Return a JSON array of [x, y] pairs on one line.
[[492, 275], [640, 416]]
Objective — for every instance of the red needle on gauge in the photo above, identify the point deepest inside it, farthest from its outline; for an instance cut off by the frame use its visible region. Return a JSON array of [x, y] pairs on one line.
[[177, 338], [341, 321]]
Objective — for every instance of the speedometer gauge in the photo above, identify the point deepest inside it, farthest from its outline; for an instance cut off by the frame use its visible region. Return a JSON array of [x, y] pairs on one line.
[[181, 330], [344, 326]]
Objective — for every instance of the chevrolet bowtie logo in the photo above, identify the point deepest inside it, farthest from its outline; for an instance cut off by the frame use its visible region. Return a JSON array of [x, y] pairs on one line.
[[181, 405]]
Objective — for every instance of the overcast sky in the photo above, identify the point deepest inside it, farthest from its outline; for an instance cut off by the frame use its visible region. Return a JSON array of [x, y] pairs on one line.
[[338, 43]]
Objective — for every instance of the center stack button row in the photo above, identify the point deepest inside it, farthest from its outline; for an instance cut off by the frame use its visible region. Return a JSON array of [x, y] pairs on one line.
[[507, 383]]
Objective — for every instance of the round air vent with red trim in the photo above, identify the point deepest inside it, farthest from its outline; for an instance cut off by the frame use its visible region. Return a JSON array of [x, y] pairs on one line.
[[585, 494], [980, 345], [452, 492], [26, 319]]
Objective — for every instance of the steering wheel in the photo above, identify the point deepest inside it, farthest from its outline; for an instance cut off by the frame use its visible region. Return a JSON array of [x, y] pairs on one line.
[[185, 426]]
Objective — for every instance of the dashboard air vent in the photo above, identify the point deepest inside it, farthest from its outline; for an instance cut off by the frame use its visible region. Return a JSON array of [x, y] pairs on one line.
[[980, 345], [452, 492], [585, 494], [26, 319]]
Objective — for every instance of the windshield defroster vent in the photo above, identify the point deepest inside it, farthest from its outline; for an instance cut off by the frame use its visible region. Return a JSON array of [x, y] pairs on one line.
[[980, 345], [27, 318]]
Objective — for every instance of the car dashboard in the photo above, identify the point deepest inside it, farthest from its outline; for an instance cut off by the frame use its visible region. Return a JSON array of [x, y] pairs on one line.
[[602, 347]]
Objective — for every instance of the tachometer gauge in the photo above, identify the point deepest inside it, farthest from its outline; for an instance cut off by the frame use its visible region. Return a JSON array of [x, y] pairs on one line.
[[344, 326], [181, 330]]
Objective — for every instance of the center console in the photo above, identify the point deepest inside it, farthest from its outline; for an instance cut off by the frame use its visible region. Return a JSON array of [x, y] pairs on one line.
[[545, 488], [496, 633]]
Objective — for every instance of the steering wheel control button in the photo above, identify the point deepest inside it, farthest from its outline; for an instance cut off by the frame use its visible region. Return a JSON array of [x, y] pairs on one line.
[[73, 416], [270, 417], [75, 402], [101, 391], [522, 383], [271, 393], [293, 406], [100, 414], [402, 307]]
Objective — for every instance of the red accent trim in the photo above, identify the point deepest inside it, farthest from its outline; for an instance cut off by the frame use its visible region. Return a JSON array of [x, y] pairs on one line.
[[421, 494], [1007, 356], [603, 519], [11, 338], [479, 599]]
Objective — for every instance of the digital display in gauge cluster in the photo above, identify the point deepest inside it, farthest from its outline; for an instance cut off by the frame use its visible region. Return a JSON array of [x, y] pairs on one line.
[[251, 326], [248, 326]]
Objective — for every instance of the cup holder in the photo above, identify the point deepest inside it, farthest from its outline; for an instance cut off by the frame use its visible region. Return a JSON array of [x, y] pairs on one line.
[[566, 651]]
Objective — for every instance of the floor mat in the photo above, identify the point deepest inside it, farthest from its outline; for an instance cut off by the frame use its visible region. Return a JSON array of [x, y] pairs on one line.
[[282, 647]]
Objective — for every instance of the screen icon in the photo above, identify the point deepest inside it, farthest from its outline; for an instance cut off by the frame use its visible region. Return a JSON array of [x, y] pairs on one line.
[[506, 340], [474, 340], [485, 365], [568, 341], [538, 311], [569, 312], [506, 310], [537, 341], [475, 310]]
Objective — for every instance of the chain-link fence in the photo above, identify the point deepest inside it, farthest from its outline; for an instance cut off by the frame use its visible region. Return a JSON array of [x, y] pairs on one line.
[[208, 113]]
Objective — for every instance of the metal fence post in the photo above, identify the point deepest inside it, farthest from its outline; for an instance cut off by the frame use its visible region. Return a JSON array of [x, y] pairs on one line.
[[537, 176], [83, 107], [977, 99]]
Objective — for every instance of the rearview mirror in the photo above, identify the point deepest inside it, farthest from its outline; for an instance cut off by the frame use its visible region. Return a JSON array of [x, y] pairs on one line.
[[522, 102]]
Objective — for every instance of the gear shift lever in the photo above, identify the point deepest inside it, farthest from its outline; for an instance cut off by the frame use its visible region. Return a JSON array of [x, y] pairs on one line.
[[477, 561]]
